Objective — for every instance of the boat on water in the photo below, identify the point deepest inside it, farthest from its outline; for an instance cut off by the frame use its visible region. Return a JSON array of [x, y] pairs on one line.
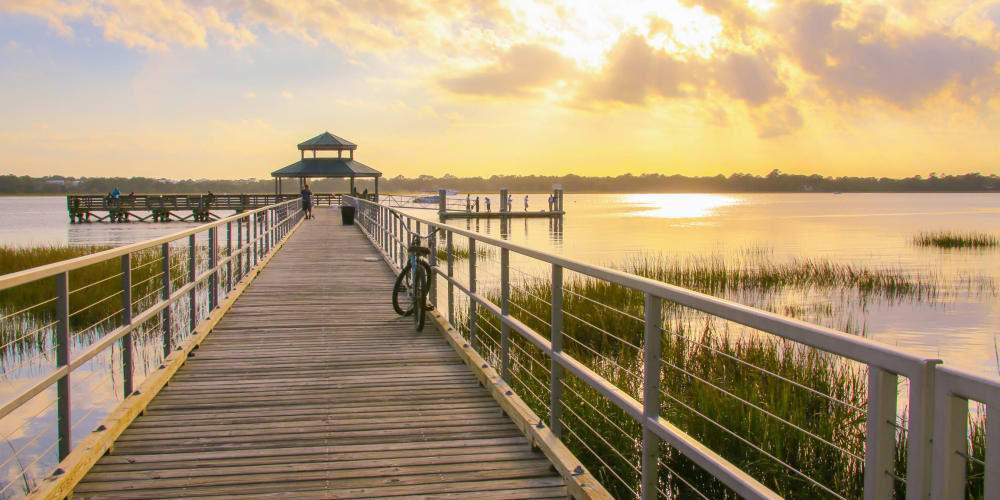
[[435, 198]]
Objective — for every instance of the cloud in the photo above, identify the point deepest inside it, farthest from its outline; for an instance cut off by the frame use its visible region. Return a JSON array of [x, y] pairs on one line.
[[777, 120], [749, 77], [635, 71], [517, 72], [141, 24], [866, 57]]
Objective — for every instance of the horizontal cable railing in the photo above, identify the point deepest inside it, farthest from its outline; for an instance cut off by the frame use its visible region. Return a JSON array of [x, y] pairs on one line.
[[115, 317], [664, 391]]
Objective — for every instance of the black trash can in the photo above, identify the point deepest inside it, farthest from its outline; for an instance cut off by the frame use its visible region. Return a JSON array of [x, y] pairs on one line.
[[347, 215]]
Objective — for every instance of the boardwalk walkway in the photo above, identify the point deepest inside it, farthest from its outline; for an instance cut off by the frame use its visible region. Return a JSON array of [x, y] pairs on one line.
[[312, 387]]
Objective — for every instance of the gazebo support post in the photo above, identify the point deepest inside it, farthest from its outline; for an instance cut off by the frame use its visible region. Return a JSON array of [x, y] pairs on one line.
[[376, 189], [352, 186]]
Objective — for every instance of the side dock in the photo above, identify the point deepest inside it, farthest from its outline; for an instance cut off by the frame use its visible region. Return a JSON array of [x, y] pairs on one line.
[[174, 207]]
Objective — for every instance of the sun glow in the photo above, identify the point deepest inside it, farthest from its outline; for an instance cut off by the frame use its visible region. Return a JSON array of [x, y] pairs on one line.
[[586, 31], [678, 206]]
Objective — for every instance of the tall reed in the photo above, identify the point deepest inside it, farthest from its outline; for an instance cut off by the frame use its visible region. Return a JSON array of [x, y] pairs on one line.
[[955, 239], [791, 416]]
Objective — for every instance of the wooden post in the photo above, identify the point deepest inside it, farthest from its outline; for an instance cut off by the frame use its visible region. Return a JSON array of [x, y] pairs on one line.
[[126, 345], [503, 201], [376, 189], [442, 201], [65, 425]]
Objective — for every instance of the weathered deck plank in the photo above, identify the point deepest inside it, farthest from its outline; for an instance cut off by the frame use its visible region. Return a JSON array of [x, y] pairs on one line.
[[312, 387]]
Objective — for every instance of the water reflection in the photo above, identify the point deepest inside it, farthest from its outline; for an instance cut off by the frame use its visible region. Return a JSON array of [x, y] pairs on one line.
[[677, 206]]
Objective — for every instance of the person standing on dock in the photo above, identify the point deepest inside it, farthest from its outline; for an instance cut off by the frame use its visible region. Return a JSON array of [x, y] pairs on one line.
[[550, 203], [488, 204], [510, 202], [468, 202], [525, 203], [307, 205], [477, 204]]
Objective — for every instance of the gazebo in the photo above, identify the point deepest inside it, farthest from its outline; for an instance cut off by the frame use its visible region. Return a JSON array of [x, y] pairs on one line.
[[339, 167]]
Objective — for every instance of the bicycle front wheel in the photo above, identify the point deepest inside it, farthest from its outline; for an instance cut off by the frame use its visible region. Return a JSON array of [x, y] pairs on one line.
[[402, 293], [419, 298]]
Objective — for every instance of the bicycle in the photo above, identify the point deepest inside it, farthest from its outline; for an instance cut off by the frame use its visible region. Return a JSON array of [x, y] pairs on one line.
[[412, 283]]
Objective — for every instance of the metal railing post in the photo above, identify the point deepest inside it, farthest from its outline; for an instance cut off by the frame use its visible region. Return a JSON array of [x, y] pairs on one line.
[[556, 338], [504, 311], [473, 323], [256, 238], [165, 328], [62, 359], [880, 442], [651, 396], [451, 274], [433, 261], [920, 431], [239, 246], [127, 320], [405, 237], [950, 445], [192, 276], [213, 262], [229, 255]]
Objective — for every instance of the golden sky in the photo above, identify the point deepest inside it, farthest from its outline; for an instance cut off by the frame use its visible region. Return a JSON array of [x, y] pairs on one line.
[[226, 88]]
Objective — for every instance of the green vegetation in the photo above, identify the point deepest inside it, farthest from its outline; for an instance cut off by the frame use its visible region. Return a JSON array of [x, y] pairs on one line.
[[715, 275], [951, 239], [462, 253], [715, 375], [775, 181], [95, 292]]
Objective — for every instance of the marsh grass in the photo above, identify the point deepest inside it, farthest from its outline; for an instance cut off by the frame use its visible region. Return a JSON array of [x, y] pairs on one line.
[[721, 383], [954, 239], [462, 253], [28, 310], [716, 275]]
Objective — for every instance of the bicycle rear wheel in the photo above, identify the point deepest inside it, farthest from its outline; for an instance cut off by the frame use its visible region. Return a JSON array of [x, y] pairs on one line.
[[419, 298], [402, 292]]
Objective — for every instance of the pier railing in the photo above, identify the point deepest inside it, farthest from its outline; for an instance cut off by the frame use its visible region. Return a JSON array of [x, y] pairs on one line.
[[123, 315], [611, 413], [162, 207]]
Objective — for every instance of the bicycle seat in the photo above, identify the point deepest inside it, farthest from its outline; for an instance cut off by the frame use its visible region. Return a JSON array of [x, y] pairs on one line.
[[421, 251]]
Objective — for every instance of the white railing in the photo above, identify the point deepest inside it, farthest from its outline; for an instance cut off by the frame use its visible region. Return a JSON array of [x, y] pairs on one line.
[[200, 276], [388, 230]]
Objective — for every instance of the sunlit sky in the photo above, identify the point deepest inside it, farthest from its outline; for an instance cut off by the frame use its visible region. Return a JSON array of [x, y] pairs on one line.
[[226, 88]]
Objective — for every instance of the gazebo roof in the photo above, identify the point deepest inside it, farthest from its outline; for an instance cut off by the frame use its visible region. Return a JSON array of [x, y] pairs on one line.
[[326, 167], [327, 142]]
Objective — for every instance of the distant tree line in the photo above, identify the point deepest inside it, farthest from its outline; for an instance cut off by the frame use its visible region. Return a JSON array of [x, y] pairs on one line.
[[776, 181]]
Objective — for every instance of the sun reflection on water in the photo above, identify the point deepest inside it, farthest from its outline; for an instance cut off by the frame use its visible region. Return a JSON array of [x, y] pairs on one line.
[[678, 205]]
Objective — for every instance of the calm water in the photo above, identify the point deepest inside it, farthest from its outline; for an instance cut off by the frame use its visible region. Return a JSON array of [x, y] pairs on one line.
[[960, 324]]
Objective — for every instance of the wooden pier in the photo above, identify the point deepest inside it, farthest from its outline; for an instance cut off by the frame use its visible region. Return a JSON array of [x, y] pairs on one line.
[[453, 214], [311, 386], [174, 207]]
